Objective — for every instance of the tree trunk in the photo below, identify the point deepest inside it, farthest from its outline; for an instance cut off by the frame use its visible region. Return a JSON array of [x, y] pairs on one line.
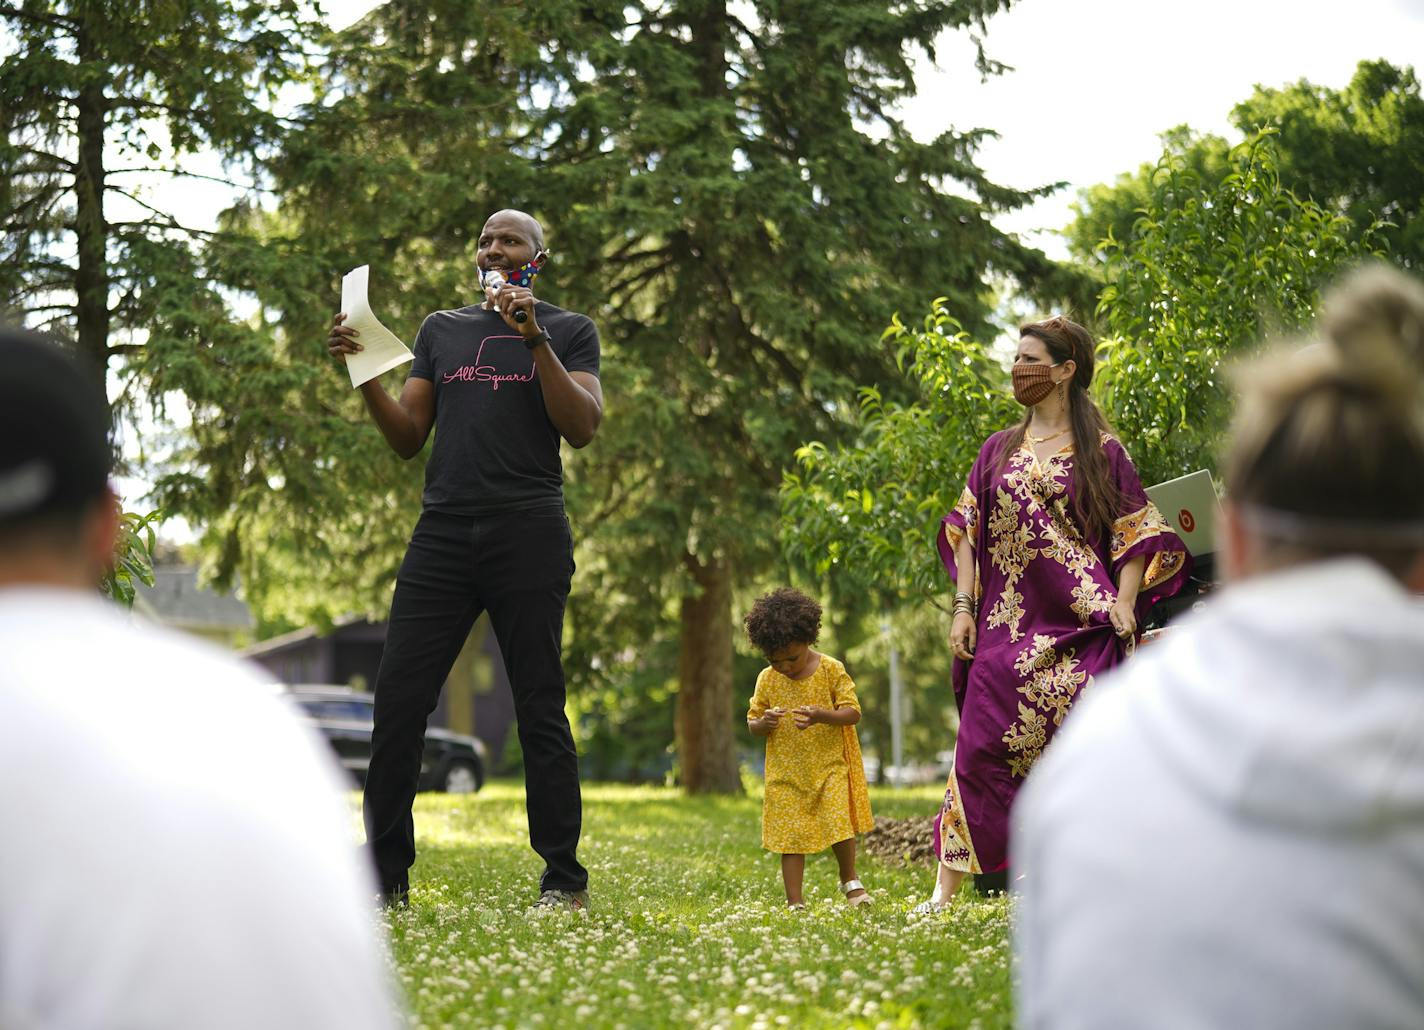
[[91, 277], [705, 719]]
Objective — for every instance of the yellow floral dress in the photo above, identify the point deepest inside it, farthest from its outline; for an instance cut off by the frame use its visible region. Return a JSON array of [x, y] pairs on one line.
[[815, 781]]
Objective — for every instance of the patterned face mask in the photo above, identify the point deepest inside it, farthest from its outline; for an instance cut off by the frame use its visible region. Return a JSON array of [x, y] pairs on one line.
[[1032, 383], [521, 276]]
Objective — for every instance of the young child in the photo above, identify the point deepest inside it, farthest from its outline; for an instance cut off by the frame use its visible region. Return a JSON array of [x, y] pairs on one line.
[[805, 707]]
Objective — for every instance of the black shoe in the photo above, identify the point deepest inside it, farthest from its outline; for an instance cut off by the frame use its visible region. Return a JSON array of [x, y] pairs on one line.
[[395, 897]]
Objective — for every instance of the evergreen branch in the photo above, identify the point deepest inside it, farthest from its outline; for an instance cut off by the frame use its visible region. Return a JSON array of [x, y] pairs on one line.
[[52, 20], [14, 127], [127, 299], [142, 103], [332, 412], [46, 198], [173, 223], [758, 342], [36, 289], [125, 348], [50, 264], [637, 279], [40, 327], [627, 254], [24, 148], [752, 38], [194, 175], [753, 454], [615, 498]]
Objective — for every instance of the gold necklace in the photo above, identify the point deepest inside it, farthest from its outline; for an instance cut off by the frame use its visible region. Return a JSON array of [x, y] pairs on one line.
[[1035, 440]]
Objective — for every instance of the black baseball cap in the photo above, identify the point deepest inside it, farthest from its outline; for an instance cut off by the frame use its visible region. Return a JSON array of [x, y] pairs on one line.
[[54, 431]]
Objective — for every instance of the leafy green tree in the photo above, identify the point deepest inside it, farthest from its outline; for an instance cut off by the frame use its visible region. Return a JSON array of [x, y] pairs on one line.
[[866, 514], [1210, 268], [91, 90], [1358, 151], [133, 562], [728, 192], [92, 93], [1210, 271], [1109, 211]]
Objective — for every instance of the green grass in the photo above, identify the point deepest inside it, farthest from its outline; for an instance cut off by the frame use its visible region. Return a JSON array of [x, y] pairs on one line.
[[688, 926]]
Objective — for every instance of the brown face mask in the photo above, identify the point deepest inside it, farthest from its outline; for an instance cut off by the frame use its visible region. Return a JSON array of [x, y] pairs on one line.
[[1032, 383]]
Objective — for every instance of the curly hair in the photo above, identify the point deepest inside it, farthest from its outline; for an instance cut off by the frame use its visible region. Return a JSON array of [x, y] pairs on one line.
[[783, 617]]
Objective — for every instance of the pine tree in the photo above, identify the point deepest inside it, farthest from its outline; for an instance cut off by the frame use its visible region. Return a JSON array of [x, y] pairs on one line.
[[728, 192], [748, 214], [93, 89]]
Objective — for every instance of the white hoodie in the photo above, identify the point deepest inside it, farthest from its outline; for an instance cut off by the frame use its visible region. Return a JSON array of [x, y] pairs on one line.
[[176, 850], [1229, 832]]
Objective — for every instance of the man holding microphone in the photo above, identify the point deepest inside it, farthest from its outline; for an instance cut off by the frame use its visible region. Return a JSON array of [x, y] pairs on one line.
[[506, 379]]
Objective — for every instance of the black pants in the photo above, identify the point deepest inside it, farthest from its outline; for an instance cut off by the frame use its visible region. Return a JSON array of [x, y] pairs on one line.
[[517, 566]]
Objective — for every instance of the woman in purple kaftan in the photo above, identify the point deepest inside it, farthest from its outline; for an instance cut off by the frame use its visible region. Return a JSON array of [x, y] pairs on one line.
[[1057, 553]]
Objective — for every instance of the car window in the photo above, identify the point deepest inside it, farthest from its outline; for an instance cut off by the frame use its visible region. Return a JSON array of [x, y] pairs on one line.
[[336, 708], [359, 710]]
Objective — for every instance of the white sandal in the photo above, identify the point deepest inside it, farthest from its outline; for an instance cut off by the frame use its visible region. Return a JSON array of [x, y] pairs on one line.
[[855, 885], [928, 908]]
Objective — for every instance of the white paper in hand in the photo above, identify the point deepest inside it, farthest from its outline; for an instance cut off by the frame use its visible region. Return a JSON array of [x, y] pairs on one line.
[[381, 350]]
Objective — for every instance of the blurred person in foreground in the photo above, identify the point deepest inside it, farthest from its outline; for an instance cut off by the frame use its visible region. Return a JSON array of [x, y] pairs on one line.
[[1231, 833], [175, 850]]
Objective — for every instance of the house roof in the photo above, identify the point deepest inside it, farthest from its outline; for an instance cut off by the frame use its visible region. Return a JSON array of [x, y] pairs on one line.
[[274, 645], [177, 599]]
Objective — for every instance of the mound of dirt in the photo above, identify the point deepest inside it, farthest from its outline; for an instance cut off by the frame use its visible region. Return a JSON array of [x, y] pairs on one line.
[[905, 842]]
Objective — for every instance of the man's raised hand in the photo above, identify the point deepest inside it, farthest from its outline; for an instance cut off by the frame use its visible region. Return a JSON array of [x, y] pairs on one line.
[[341, 341], [510, 299]]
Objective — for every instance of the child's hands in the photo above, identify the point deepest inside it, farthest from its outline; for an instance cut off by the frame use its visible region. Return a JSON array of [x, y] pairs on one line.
[[769, 720], [808, 715]]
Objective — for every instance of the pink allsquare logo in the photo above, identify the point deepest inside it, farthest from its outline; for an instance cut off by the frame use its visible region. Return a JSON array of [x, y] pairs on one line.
[[509, 361]]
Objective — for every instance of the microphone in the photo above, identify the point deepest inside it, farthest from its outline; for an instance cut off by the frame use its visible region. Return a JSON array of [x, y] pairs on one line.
[[492, 279]]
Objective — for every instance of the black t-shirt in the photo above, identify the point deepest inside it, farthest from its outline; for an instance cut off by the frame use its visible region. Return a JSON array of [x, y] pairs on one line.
[[495, 449]]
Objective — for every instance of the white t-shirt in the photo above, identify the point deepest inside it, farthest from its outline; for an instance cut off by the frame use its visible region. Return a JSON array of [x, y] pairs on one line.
[[175, 850], [1229, 832]]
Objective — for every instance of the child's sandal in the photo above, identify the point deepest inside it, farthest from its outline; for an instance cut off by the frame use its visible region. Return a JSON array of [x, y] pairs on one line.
[[855, 885]]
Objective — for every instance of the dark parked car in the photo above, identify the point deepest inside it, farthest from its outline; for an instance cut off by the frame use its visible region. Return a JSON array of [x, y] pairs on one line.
[[450, 762]]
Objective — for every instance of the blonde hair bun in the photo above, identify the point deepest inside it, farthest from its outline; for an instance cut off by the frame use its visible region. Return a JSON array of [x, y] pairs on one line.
[[1375, 321], [1328, 442]]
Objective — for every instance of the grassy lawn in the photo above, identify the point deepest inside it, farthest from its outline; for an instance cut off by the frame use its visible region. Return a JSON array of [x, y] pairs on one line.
[[688, 925]]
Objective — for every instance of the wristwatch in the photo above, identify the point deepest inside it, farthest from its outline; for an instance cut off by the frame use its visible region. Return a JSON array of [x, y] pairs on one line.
[[542, 336]]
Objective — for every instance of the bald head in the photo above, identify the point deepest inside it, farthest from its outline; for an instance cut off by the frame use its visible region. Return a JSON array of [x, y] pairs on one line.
[[521, 221]]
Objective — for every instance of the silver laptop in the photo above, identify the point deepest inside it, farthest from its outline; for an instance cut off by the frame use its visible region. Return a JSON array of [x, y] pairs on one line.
[[1189, 504]]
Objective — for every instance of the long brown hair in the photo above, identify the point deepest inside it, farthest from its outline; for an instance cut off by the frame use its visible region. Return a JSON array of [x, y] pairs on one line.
[[1327, 451], [1097, 503]]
